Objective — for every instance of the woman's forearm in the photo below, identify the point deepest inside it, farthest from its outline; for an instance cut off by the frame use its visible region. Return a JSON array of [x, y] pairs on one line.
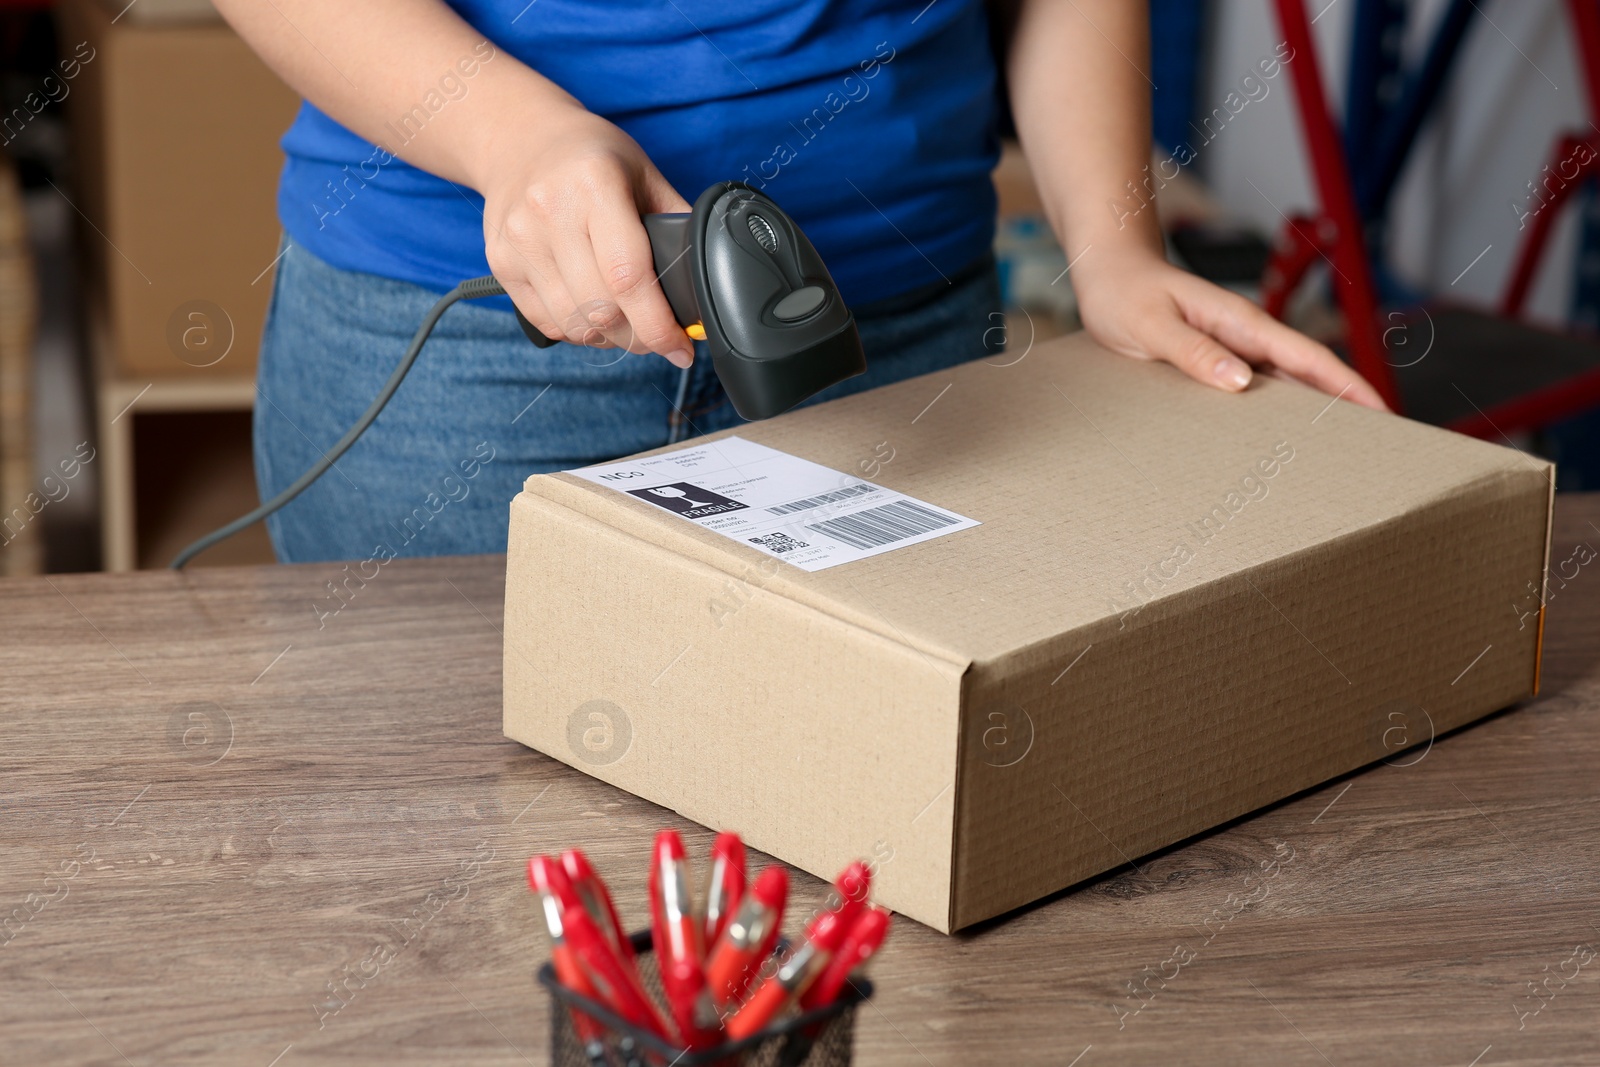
[[1081, 97], [410, 75], [563, 189]]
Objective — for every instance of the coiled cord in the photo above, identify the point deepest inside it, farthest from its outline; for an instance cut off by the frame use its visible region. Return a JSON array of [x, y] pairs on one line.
[[471, 289]]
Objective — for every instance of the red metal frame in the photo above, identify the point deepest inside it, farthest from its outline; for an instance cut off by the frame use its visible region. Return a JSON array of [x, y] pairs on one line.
[[1551, 201], [1302, 241], [1335, 234], [1541, 407], [1586, 22]]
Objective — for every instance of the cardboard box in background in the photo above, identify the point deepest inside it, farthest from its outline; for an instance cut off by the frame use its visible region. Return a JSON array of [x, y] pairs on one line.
[[175, 135], [1180, 605]]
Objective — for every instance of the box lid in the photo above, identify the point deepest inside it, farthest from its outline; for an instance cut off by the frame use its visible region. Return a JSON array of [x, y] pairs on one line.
[[1101, 483]]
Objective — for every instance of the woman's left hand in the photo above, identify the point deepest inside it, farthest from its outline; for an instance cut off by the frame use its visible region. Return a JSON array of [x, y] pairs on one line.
[[1137, 304]]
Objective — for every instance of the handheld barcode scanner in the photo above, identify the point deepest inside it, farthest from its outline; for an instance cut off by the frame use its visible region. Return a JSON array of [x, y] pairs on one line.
[[739, 268], [737, 273]]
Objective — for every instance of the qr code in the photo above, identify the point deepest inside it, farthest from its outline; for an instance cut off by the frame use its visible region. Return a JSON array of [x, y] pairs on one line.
[[778, 543]]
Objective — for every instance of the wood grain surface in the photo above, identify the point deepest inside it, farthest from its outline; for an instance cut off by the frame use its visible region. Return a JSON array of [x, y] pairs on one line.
[[233, 834]]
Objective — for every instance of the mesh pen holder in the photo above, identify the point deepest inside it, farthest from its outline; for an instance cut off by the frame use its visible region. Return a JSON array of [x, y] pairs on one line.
[[821, 1038]]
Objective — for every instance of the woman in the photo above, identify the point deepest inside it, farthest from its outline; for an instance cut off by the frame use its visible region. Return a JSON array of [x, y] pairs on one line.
[[525, 138]]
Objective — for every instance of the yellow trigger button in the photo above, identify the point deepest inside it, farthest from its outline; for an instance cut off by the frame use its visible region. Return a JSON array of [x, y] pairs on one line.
[[695, 330]]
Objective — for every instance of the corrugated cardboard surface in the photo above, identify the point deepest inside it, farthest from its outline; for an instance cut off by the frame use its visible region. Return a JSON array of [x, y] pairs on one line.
[[1236, 694], [882, 705], [722, 723]]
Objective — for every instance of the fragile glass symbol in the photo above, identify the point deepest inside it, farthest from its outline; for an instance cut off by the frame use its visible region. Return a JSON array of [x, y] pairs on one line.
[[673, 492]]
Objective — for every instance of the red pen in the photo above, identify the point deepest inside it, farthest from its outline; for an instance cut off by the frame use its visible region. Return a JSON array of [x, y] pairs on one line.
[[697, 1019], [794, 976], [727, 883], [677, 931], [597, 901], [546, 877], [617, 987], [748, 937], [568, 972], [865, 938], [852, 885]]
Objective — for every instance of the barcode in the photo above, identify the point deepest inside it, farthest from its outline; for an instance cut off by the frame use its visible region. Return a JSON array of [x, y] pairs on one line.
[[778, 543], [826, 498], [883, 525]]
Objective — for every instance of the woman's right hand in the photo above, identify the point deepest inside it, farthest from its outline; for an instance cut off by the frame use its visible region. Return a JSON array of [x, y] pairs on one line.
[[563, 234]]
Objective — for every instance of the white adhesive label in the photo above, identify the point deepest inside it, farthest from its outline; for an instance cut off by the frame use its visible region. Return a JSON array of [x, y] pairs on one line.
[[798, 511]]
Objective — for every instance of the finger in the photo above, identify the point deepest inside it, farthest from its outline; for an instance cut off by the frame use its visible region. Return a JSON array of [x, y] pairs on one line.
[[1282, 375], [622, 252], [593, 319], [612, 266], [551, 292], [1260, 338], [1309, 361], [532, 250], [514, 269], [1197, 354], [533, 309]]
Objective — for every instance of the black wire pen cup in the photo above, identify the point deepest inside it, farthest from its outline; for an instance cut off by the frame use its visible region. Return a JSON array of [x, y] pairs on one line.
[[824, 1037]]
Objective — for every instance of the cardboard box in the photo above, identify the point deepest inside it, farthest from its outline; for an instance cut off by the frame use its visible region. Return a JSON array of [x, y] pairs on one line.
[[1014, 187], [1177, 606], [175, 132]]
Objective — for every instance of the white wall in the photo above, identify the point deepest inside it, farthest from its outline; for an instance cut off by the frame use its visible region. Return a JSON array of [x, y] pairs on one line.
[[1514, 86]]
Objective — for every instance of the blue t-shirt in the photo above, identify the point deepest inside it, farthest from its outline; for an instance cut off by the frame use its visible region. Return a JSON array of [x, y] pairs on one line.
[[871, 122]]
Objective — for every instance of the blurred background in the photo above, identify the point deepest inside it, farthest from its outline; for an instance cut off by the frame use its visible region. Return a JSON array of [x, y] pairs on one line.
[[1411, 181]]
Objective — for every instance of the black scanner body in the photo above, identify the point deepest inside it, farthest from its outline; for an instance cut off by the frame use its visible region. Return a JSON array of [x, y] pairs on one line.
[[775, 325]]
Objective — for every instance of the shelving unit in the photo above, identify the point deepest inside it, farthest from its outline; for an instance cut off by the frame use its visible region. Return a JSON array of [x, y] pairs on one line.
[[20, 549], [175, 126], [212, 476]]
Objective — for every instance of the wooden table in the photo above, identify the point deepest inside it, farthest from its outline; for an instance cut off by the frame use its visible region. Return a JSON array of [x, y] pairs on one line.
[[231, 835]]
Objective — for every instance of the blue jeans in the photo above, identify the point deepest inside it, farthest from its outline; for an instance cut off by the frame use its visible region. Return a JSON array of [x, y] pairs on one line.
[[482, 408]]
